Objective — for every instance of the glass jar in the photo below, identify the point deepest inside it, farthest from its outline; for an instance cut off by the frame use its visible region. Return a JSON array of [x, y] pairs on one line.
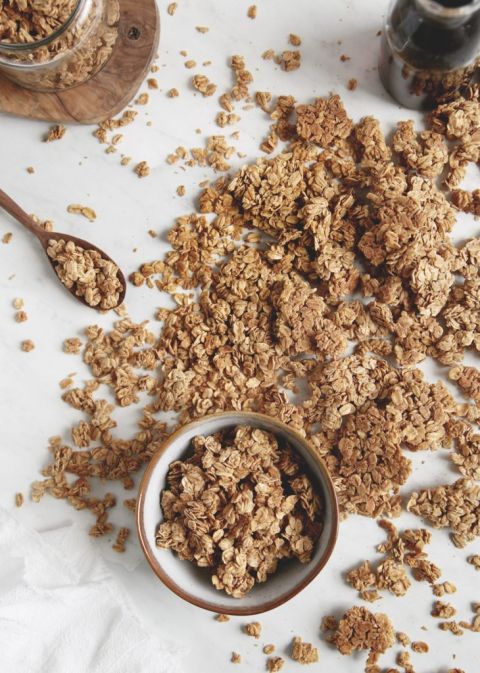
[[71, 54], [430, 48]]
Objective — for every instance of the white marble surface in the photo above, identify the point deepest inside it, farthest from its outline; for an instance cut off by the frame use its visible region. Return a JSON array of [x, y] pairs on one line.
[[77, 169]]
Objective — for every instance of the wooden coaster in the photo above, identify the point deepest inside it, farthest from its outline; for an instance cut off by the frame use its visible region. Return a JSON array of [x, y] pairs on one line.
[[110, 90]]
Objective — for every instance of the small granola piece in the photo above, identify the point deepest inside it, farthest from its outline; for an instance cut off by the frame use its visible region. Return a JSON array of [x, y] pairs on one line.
[[19, 499], [344, 58], [253, 629], [190, 64], [304, 653], [172, 8], [173, 93], [443, 588], [252, 12], [420, 647], [202, 29], [290, 60], [268, 55], [142, 169], [268, 649], [72, 345], [443, 610], [402, 638], [30, 169], [352, 84], [329, 623], [125, 161], [222, 618], [263, 100], [122, 536], [469, 202], [18, 303], [130, 504], [55, 133], [66, 383], [152, 83], [181, 190], [21, 316], [142, 99], [27, 345], [360, 629], [7, 237], [87, 212], [275, 664], [474, 560], [236, 658], [453, 627], [294, 40], [202, 84]]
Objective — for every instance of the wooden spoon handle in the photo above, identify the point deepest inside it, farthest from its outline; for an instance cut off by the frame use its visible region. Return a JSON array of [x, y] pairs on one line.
[[20, 215]]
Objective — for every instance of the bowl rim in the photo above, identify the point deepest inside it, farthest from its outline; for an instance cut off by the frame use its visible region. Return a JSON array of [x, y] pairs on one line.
[[207, 605]]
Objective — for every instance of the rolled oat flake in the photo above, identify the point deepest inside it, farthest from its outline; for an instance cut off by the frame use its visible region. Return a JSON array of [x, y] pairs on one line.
[[430, 49]]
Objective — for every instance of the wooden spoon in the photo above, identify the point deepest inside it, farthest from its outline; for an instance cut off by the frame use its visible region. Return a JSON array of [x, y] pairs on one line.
[[45, 237]]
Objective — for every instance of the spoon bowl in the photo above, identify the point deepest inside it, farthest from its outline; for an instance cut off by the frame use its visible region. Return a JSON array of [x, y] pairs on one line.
[[44, 237]]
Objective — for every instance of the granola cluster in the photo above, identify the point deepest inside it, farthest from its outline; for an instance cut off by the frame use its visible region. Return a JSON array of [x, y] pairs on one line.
[[24, 21], [92, 277], [238, 505]]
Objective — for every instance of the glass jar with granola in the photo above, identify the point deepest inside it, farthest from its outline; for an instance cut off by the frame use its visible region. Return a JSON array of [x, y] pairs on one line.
[[51, 45], [430, 49]]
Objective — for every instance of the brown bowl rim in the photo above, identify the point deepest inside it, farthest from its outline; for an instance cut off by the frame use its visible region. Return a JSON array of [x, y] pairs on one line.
[[207, 605]]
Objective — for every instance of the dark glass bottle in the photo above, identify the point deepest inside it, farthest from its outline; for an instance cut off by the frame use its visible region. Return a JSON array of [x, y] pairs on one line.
[[430, 48]]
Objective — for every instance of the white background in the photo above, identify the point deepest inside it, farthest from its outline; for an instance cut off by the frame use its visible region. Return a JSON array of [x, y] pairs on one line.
[[77, 170]]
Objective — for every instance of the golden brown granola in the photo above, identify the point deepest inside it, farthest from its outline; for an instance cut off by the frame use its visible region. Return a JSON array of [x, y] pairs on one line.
[[173, 93], [252, 12], [253, 629], [216, 517], [6, 238], [87, 212], [236, 658], [152, 83], [352, 84], [268, 649], [360, 629], [142, 169], [27, 346], [275, 664], [294, 40], [55, 133], [19, 499], [443, 610], [474, 560], [119, 545], [93, 277], [222, 618], [21, 316], [72, 345], [204, 85], [172, 8], [290, 60], [420, 647], [304, 653], [456, 506]]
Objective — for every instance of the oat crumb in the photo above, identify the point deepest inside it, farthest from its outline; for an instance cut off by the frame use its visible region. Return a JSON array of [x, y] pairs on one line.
[[142, 169], [55, 133], [78, 209], [252, 12], [173, 93], [19, 499], [304, 653], [236, 658], [253, 629], [294, 40], [7, 237], [21, 316], [152, 83], [27, 346], [275, 664], [172, 8], [352, 84], [222, 618], [268, 649]]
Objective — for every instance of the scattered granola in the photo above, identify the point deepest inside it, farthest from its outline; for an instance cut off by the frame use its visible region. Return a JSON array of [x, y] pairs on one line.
[[420, 647], [236, 658], [222, 618], [474, 560], [172, 8], [72, 345], [87, 212], [253, 629], [27, 346], [294, 40], [352, 84], [304, 653], [152, 83], [21, 316], [18, 303], [216, 488], [93, 277], [252, 12], [173, 93], [204, 85], [290, 60], [7, 237], [122, 536], [268, 649], [275, 664], [19, 499], [443, 610], [360, 629], [142, 99], [55, 133], [142, 169], [190, 64], [456, 506], [181, 190]]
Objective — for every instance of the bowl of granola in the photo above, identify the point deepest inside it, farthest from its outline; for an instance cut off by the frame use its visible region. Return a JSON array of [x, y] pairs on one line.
[[237, 513]]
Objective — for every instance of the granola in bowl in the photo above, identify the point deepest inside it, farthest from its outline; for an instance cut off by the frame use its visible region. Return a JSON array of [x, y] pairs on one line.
[[239, 505]]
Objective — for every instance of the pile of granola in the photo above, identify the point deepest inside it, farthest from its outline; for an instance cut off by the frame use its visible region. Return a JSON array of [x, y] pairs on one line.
[[238, 505], [23, 21], [339, 211], [92, 277]]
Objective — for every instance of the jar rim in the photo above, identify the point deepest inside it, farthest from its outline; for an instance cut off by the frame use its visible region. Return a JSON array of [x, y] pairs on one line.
[[28, 46], [444, 11]]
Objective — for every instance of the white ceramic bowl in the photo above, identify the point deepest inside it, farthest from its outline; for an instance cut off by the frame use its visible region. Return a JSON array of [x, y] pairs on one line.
[[193, 584]]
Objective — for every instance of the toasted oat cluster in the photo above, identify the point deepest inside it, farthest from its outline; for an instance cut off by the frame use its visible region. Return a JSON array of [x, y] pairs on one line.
[[93, 277], [456, 506], [360, 629], [240, 504]]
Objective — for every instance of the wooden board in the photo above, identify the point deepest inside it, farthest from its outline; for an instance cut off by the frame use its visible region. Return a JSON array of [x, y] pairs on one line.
[[110, 90]]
